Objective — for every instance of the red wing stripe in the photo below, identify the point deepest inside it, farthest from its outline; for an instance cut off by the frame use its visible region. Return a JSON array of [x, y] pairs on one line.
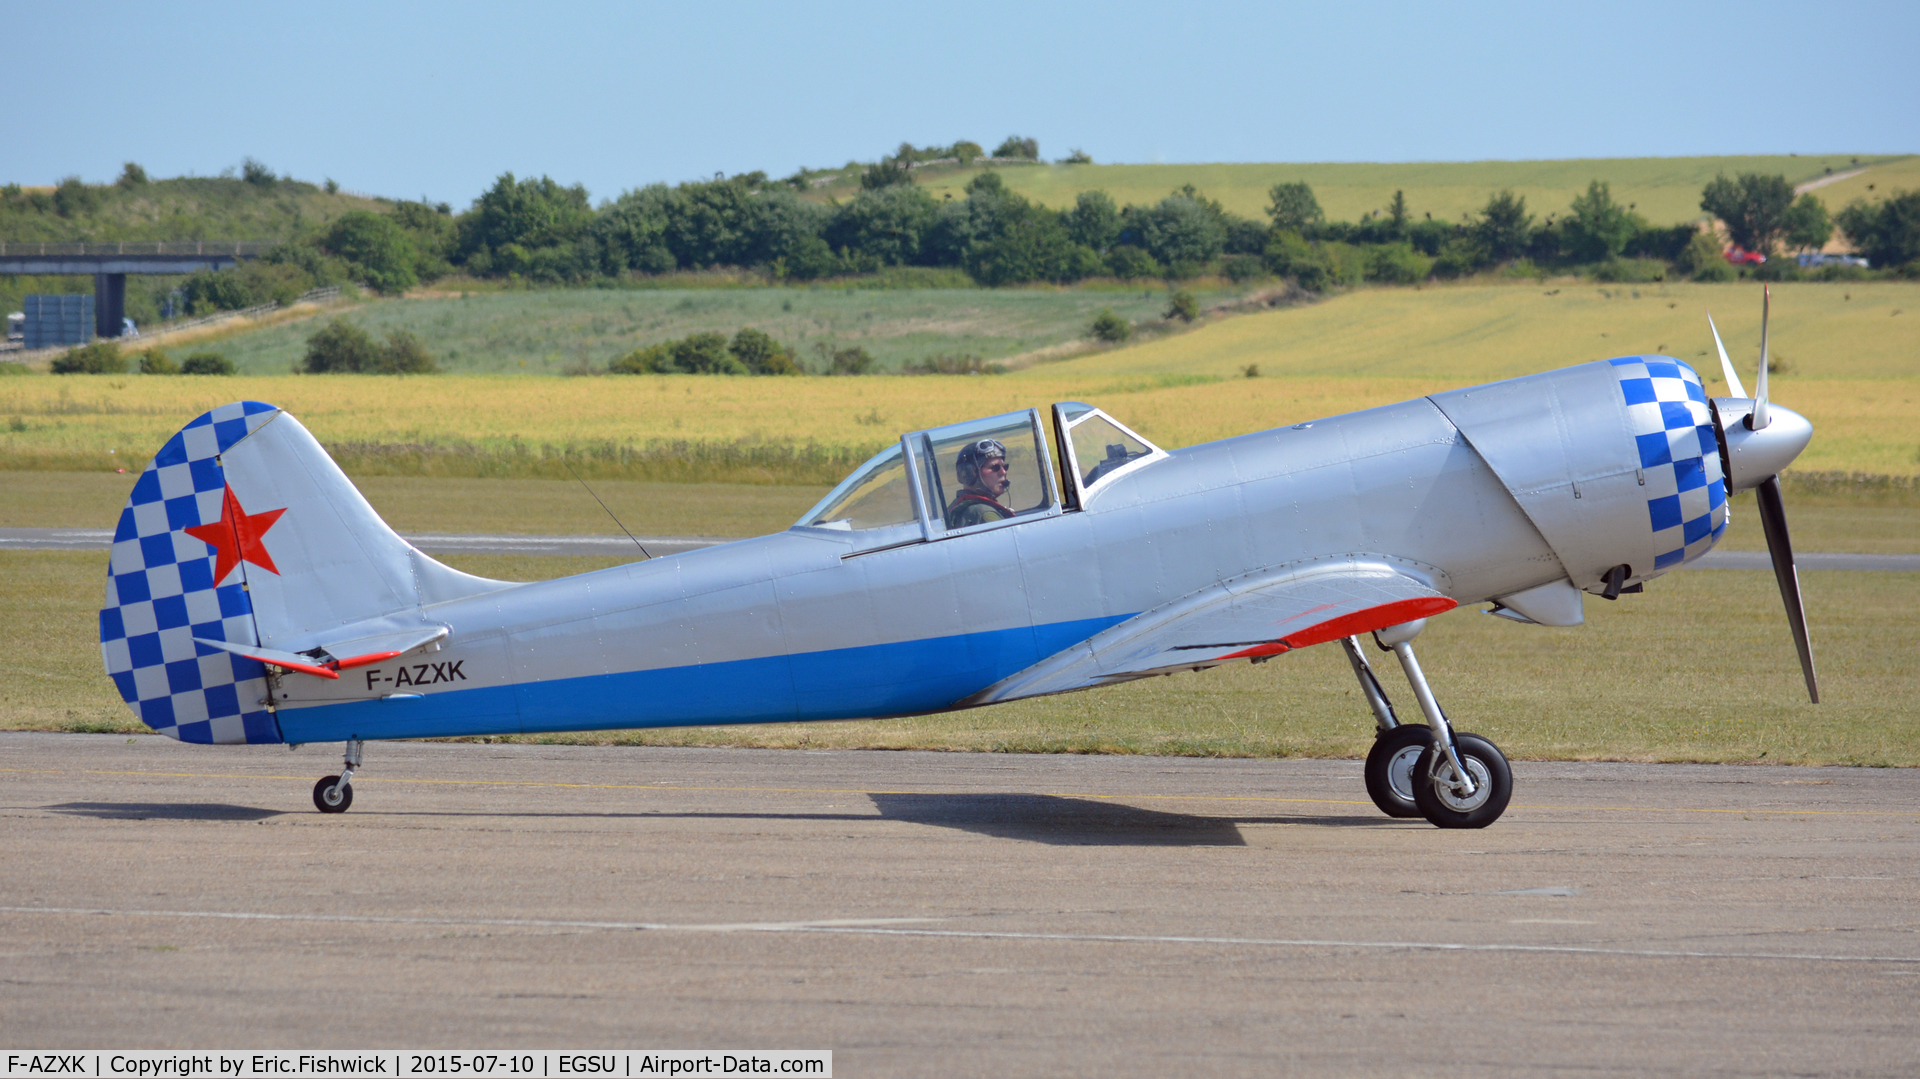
[[361, 661], [1349, 625]]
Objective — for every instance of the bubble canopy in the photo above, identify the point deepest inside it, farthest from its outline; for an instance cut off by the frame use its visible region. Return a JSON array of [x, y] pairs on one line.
[[982, 474]]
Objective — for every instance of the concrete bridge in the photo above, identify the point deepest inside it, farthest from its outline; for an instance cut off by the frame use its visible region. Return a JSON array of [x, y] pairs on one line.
[[110, 263]]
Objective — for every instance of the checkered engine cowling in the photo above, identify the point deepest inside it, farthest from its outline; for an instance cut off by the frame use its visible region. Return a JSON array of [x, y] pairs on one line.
[[161, 594], [1680, 454]]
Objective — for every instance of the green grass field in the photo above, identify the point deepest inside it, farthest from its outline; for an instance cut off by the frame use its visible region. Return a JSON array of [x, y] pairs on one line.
[[1664, 190], [551, 330], [1698, 669]]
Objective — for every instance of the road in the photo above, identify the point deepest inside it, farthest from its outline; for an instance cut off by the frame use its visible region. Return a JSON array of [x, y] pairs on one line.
[[958, 914], [92, 539]]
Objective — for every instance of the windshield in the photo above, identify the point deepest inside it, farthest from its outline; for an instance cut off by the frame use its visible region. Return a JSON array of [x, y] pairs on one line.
[[876, 495], [1102, 447]]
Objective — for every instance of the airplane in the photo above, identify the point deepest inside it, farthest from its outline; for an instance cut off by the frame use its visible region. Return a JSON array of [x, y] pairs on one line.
[[254, 597]]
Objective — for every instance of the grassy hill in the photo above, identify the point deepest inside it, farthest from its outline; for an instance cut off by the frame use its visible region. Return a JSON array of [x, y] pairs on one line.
[[1665, 190], [187, 208]]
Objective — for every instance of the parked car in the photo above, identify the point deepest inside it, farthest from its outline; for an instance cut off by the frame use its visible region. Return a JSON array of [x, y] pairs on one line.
[[1740, 256], [1817, 258]]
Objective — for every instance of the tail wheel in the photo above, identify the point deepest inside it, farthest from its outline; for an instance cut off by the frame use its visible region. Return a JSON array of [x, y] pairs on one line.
[[1445, 804], [1390, 768], [332, 796]]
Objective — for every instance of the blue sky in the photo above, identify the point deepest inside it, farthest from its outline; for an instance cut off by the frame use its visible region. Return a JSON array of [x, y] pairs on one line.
[[438, 98]]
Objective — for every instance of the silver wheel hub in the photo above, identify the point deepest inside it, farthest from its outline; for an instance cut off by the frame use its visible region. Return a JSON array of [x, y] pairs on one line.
[[1446, 787], [1400, 772]]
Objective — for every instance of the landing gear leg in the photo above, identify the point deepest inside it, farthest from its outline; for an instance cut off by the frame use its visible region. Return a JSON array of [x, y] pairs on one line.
[[1396, 745], [1460, 780], [335, 793]]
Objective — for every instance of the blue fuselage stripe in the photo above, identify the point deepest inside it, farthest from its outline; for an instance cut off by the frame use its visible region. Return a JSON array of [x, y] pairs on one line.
[[845, 683]]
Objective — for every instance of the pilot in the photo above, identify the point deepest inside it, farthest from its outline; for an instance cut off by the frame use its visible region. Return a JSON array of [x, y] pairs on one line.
[[982, 471]]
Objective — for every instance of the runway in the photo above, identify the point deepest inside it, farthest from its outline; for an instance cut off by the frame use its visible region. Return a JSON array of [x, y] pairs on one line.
[[958, 914], [92, 539]]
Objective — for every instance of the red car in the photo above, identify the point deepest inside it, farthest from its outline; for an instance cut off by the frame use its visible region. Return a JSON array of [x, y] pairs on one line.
[[1741, 257]]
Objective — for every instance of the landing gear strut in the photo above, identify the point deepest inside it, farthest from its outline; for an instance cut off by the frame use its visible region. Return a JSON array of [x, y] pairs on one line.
[[335, 793], [1454, 780]]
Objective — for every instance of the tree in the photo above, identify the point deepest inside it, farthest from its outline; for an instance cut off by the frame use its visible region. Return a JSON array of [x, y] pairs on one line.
[[378, 250], [1183, 306], [155, 362], [1094, 220], [1808, 226], [1753, 207], [1109, 327], [1183, 231], [705, 353], [851, 361], [340, 347], [1504, 227], [1887, 233], [74, 198], [256, 173], [761, 354], [131, 176], [965, 151], [887, 224], [403, 353], [886, 173], [523, 214], [1015, 146], [1397, 213], [1293, 208], [1596, 227], [631, 232], [206, 363], [99, 358]]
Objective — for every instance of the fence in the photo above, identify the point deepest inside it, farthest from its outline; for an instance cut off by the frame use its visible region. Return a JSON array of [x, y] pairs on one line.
[[239, 248]]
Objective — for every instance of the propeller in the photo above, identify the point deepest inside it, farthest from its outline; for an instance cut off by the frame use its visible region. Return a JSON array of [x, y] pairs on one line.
[[1764, 442]]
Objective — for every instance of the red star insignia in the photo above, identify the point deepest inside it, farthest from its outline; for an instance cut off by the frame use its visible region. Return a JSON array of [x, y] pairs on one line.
[[237, 537]]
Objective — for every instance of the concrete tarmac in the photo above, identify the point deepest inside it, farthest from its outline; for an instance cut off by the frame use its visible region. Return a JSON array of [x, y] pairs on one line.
[[958, 914]]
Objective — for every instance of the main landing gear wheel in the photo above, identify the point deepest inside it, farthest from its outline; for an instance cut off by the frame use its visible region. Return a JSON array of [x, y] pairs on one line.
[[1390, 765], [332, 796], [1444, 804]]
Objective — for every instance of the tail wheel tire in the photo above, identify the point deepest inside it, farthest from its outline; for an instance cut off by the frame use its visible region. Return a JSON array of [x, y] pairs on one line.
[[1445, 807], [1390, 768], [332, 796]]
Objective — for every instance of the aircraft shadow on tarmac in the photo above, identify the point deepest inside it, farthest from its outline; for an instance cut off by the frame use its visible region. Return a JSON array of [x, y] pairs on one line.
[[1049, 818], [162, 811]]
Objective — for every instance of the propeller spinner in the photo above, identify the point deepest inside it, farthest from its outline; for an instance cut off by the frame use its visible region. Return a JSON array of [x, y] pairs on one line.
[[1757, 440]]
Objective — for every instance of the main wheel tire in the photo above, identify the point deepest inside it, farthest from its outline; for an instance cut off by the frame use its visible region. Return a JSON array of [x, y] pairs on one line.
[[1390, 765], [332, 796], [1492, 782]]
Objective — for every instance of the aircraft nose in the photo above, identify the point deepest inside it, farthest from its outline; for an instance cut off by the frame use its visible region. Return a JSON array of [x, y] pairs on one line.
[[1752, 456]]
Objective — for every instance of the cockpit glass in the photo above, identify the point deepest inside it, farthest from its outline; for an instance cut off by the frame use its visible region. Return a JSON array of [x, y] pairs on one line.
[[984, 471], [876, 495], [1101, 448]]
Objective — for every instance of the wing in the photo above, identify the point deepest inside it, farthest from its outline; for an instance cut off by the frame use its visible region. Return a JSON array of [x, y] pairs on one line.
[[1246, 618]]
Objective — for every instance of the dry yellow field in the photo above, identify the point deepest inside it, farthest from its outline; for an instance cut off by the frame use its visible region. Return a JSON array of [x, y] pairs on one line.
[[1852, 354]]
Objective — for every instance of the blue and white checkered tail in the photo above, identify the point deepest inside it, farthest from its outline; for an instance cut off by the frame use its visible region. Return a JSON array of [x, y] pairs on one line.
[[1673, 427], [162, 593]]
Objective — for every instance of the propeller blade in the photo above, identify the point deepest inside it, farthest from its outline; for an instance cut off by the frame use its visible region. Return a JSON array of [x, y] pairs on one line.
[[1734, 388], [1758, 419], [1773, 518]]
